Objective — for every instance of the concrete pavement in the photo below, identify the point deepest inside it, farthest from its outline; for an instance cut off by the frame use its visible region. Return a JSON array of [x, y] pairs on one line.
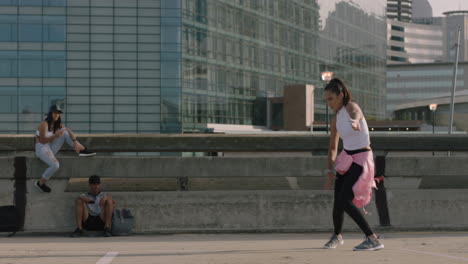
[[409, 247]]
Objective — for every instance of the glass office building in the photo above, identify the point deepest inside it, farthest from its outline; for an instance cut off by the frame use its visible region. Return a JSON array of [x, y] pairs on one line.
[[415, 43], [169, 66], [412, 83], [401, 10]]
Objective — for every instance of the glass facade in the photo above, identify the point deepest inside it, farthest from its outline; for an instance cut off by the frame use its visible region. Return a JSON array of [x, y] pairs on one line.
[[415, 43], [238, 53], [410, 83], [168, 66], [99, 59]]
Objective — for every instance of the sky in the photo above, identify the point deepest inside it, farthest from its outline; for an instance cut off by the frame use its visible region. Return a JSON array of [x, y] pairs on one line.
[[440, 6]]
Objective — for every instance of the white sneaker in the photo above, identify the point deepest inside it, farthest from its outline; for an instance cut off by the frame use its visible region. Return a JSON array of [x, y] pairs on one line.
[[333, 242], [369, 244]]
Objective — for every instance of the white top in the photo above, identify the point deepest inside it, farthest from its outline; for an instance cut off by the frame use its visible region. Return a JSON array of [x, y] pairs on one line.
[[47, 135], [352, 139]]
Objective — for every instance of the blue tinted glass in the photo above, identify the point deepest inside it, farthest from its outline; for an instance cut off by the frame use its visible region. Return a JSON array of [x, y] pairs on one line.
[[54, 28], [8, 32], [171, 13], [30, 19], [7, 19], [171, 21], [170, 3], [54, 64], [171, 56], [54, 55], [30, 28], [54, 33], [8, 28], [55, 2], [30, 64], [170, 69], [8, 64], [170, 82], [170, 47], [51, 96], [31, 2], [60, 20], [30, 55], [170, 34], [8, 100], [8, 2], [30, 100]]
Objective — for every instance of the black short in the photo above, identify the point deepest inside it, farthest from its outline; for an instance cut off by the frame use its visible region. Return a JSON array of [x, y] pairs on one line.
[[94, 223]]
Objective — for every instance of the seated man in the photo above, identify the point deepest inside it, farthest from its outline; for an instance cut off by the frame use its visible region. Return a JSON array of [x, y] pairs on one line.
[[94, 210]]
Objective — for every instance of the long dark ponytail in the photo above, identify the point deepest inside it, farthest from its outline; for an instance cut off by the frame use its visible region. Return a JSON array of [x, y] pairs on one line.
[[57, 124], [337, 86]]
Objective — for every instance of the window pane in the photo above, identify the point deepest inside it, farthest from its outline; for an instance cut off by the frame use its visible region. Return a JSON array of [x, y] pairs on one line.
[[30, 64], [8, 100], [8, 64], [30, 28], [29, 100], [54, 2], [8, 2], [31, 2], [170, 3], [8, 28], [54, 28], [54, 64], [51, 96], [170, 69]]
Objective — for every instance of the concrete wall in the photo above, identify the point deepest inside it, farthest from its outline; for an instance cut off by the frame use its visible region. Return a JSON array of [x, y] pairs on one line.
[[288, 142], [289, 196]]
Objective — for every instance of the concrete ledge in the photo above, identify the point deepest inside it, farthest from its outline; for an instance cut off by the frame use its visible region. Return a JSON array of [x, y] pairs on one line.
[[252, 211], [144, 167], [245, 210], [426, 172], [207, 211], [223, 173], [428, 209], [244, 143], [426, 166]]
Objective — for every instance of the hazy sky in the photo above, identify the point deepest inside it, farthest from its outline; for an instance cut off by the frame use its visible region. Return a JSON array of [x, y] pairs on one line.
[[440, 6]]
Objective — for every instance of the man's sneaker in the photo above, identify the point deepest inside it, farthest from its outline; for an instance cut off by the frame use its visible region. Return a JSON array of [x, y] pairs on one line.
[[43, 187], [334, 242], [86, 153], [77, 233], [107, 232], [369, 244]]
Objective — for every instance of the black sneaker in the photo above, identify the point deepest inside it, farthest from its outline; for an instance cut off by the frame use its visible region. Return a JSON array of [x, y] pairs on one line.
[[43, 187], [77, 233], [86, 153], [107, 232]]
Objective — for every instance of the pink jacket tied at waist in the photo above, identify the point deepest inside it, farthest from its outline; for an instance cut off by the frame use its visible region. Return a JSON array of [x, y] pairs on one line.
[[362, 189]]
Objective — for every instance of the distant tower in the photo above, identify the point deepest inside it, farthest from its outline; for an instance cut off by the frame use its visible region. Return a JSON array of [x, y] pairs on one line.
[[399, 10]]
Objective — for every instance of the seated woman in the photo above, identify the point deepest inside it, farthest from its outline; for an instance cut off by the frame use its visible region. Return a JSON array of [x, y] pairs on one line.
[[50, 136]]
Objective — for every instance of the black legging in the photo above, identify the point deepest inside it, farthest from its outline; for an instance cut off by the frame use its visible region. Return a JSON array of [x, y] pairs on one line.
[[344, 201]]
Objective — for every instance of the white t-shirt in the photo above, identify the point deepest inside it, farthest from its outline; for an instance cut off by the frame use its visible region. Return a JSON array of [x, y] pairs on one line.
[[352, 139], [93, 206]]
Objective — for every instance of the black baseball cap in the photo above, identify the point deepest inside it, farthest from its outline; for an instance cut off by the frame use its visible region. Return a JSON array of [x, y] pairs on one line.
[[94, 179], [55, 108]]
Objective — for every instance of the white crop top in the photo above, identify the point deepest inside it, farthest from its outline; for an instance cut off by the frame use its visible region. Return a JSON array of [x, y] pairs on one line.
[[352, 139], [47, 135]]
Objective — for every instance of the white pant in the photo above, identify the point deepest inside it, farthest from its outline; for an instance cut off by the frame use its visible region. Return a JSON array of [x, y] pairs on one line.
[[46, 153]]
